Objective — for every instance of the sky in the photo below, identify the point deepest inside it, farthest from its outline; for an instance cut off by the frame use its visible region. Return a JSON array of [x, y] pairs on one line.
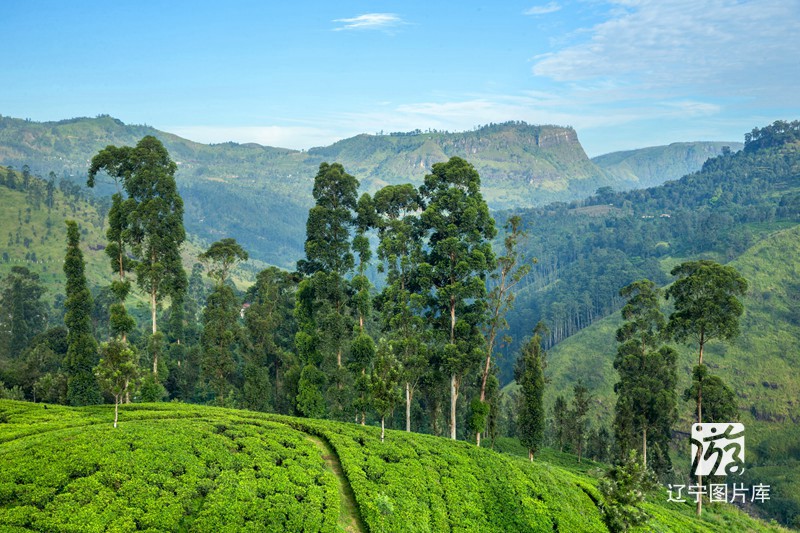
[[624, 73]]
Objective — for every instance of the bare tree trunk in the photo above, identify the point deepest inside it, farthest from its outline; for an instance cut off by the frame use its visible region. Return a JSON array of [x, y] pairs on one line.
[[453, 400], [644, 447], [155, 328], [383, 427], [408, 407], [116, 410], [530, 455], [453, 387]]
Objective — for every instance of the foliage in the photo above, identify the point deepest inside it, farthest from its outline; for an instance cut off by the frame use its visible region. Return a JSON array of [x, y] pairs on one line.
[[457, 261], [149, 220], [384, 380], [23, 314], [197, 468], [623, 488], [706, 302], [220, 337], [81, 346], [719, 401], [529, 374], [588, 250], [117, 370], [221, 257], [165, 470], [646, 407]]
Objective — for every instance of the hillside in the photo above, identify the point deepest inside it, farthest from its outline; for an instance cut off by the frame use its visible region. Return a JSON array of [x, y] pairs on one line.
[[173, 467], [588, 250], [648, 167], [261, 195], [760, 365], [34, 236]]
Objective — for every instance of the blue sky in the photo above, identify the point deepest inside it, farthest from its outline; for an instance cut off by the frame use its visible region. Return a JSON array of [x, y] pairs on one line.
[[625, 73]]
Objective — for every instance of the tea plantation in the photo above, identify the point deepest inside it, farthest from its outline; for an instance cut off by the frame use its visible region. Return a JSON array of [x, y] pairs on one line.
[[175, 467]]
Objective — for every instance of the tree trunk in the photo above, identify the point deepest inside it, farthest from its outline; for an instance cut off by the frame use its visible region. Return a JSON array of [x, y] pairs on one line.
[[478, 439], [453, 387], [155, 329], [116, 410], [383, 427], [453, 400], [644, 447], [408, 407], [699, 449], [530, 455]]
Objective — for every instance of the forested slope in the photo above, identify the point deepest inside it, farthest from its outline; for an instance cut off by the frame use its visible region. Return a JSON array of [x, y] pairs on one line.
[[588, 250]]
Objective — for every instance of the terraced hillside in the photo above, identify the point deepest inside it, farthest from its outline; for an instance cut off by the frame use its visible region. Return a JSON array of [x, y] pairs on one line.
[[174, 467]]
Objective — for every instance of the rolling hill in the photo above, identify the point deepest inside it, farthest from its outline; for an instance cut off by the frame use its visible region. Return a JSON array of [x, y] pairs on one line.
[[34, 236], [261, 195], [174, 467], [760, 365]]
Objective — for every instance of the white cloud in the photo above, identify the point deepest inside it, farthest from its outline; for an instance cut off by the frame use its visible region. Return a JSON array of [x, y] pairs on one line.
[[370, 21], [295, 137], [545, 9], [745, 49]]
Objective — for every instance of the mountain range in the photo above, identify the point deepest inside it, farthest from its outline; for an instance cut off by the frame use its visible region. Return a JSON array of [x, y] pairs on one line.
[[261, 195]]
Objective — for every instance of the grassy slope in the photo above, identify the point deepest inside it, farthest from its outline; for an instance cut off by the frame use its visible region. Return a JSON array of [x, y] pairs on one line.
[[47, 233], [760, 365], [173, 467]]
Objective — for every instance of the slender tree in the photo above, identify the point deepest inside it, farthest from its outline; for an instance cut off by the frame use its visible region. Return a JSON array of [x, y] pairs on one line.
[[706, 297], [581, 402], [501, 297], [401, 301], [82, 355], [153, 217], [458, 259], [221, 257], [221, 330], [270, 332], [707, 306], [529, 374], [328, 254], [646, 405], [117, 369], [385, 379], [560, 421]]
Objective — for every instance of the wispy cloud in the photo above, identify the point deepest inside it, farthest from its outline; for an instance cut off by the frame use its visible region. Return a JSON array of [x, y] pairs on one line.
[[741, 49], [370, 21], [281, 136], [551, 7], [589, 111]]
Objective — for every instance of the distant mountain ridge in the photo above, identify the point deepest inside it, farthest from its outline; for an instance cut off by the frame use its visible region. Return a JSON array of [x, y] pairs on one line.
[[260, 195], [652, 166]]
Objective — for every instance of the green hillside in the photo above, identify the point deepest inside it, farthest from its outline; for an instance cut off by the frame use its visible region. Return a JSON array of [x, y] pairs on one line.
[[648, 167], [761, 365], [34, 236], [261, 195], [587, 251], [173, 467]]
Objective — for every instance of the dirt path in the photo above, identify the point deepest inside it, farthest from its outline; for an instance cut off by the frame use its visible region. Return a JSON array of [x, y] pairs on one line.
[[349, 517]]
